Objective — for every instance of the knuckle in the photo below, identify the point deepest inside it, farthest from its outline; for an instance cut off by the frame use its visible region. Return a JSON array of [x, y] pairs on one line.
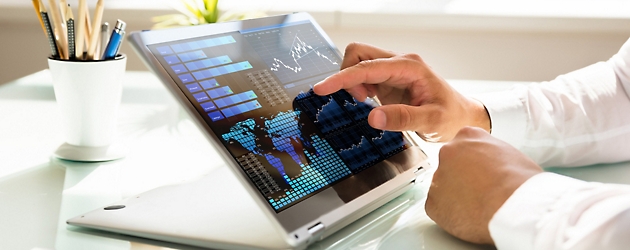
[[365, 64], [469, 132], [406, 118], [413, 56], [352, 47]]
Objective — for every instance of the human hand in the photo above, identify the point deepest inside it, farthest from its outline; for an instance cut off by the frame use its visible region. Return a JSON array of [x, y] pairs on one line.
[[476, 175], [414, 98]]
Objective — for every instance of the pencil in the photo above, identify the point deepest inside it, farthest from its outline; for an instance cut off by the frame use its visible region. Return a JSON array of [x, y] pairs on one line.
[[71, 38], [51, 37], [88, 26], [80, 35], [59, 28], [39, 16], [96, 24], [62, 10]]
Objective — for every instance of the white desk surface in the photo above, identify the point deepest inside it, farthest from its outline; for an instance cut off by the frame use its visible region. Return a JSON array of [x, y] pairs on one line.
[[38, 192]]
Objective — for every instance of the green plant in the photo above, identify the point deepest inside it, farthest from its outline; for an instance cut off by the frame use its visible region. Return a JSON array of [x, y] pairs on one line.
[[196, 12]]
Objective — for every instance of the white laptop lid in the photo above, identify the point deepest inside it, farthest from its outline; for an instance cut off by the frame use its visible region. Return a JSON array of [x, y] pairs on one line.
[[311, 162]]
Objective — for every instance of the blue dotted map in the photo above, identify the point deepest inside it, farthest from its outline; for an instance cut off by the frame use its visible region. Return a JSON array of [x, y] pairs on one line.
[[339, 143], [320, 166]]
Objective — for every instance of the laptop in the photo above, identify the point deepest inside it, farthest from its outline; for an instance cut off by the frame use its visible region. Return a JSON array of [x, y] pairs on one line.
[[298, 166]]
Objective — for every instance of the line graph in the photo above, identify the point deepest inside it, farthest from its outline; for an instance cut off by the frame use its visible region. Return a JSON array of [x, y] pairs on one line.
[[354, 148], [295, 52], [325, 112], [299, 49]]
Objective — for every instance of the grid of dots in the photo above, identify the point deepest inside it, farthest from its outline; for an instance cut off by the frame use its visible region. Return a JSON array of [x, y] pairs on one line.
[[258, 174], [318, 174], [242, 133], [327, 161], [268, 87], [282, 129]]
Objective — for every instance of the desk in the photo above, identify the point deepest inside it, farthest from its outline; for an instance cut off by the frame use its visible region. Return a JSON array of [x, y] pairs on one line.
[[38, 192]]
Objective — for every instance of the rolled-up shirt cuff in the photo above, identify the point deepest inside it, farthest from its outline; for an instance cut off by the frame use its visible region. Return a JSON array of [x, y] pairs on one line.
[[508, 115], [514, 225]]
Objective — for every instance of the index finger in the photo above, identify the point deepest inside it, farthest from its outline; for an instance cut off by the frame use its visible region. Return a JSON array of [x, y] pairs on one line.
[[394, 72], [357, 52]]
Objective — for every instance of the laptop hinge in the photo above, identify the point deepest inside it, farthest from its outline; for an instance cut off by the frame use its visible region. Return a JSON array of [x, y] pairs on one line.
[[316, 231]]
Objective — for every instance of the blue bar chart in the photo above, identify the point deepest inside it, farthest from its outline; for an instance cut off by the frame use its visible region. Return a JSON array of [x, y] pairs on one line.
[[197, 65], [233, 99], [241, 108], [191, 56], [222, 70], [207, 63]]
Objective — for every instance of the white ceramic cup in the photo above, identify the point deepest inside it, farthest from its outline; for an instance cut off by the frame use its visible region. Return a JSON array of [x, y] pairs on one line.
[[88, 95]]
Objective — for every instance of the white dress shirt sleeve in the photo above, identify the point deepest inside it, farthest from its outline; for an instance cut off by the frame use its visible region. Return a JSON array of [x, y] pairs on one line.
[[580, 118], [551, 211]]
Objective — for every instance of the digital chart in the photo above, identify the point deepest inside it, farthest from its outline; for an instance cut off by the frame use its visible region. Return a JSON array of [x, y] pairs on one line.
[[343, 122], [294, 53]]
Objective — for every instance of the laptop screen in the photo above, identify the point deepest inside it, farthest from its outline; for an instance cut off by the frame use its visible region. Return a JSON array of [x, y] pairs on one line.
[[253, 88]]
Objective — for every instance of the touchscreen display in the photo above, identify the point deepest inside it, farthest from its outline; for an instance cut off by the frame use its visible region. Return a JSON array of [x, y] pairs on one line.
[[253, 88]]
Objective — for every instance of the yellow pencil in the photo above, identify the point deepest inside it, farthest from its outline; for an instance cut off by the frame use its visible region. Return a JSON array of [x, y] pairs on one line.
[[39, 16], [96, 24]]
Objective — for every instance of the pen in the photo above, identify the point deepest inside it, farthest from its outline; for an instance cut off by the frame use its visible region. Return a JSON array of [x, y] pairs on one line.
[[115, 40], [49, 32], [104, 36], [71, 38]]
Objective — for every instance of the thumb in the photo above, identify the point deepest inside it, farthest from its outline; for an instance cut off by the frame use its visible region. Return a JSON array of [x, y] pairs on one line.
[[396, 117]]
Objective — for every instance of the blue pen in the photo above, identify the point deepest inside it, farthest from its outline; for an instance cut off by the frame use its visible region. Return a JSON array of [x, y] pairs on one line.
[[115, 40]]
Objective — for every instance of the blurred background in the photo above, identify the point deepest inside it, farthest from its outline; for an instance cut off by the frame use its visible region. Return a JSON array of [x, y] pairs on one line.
[[522, 40]]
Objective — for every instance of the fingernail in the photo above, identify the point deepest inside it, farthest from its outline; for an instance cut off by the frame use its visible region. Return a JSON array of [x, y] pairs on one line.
[[321, 81], [380, 120]]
